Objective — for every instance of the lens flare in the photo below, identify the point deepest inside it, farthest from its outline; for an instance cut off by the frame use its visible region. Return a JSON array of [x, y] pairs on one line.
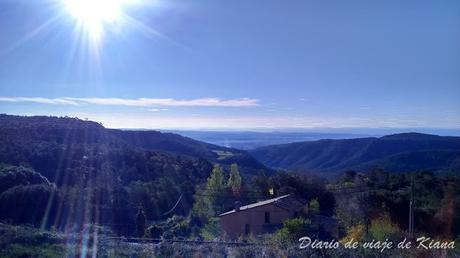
[[93, 15]]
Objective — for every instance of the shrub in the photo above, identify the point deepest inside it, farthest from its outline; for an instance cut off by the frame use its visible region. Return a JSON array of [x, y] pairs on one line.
[[355, 232], [211, 230], [383, 228], [293, 229]]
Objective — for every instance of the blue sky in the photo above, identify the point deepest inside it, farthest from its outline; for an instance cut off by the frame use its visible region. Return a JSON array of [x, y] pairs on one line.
[[237, 64]]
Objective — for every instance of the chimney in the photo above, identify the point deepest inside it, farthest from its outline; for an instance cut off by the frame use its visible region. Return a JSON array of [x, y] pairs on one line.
[[237, 205]]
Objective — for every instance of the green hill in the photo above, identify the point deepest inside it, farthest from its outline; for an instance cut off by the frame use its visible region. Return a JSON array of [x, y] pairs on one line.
[[65, 172]]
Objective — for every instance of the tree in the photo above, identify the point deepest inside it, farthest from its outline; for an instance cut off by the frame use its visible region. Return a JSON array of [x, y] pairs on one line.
[[444, 217], [26, 203], [349, 176], [201, 210], [122, 213], [140, 222], [314, 207], [215, 189], [11, 176], [261, 183], [234, 181]]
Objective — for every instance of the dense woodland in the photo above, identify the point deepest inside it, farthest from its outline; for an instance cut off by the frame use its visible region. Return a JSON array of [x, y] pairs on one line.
[[63, 174], [74, 172]]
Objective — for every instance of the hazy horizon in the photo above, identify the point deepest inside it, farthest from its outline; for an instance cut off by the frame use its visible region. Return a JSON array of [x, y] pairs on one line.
[[367, 131]]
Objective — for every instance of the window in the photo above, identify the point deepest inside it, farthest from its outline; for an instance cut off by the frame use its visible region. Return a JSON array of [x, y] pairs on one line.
[[267, 217], [247, 229]]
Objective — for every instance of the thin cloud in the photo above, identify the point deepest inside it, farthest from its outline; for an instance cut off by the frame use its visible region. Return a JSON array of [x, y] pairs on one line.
[[52, 101], [139, 102], [157, 109]]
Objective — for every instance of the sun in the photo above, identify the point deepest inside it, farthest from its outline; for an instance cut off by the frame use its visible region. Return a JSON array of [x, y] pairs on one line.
[[93, 15]]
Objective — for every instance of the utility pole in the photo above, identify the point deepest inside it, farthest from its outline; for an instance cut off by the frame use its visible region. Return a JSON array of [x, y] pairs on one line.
[[411, 207]]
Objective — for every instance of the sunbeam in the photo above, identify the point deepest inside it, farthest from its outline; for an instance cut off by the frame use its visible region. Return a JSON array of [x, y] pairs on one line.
[[151, 32], [32, 34]]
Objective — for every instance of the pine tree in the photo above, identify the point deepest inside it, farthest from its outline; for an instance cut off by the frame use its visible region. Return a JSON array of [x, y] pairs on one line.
[[215, 189], [234, 181], [140, 222]]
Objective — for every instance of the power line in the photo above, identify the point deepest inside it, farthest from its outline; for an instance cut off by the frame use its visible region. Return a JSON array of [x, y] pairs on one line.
[[175, 205], [411, 207]]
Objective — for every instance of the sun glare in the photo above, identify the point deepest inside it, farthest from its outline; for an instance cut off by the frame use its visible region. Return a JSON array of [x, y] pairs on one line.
[[95, 14]]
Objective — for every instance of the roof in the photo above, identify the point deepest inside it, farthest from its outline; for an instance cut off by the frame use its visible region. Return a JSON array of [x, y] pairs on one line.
[[281, 201]]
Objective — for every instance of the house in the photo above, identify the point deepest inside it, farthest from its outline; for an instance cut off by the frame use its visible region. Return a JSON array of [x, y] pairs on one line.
[[262, 217]]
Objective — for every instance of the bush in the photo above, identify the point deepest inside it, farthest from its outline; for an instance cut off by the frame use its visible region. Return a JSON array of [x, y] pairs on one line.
[[20, 241], [211, 230], [383, 228], [355, 232], [174, 227], [293, 229]]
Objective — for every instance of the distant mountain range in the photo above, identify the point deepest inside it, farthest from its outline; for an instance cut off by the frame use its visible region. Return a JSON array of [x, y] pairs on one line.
[[396, 153], [246, 140]]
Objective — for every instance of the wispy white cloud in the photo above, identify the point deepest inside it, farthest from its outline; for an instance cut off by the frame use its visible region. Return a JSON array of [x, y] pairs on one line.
[[53, 101], [157, 109], [139, 102]]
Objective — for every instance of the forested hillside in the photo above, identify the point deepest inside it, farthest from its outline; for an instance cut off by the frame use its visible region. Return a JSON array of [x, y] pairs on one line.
[[17, 131], [397, 153], [72, 172]]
